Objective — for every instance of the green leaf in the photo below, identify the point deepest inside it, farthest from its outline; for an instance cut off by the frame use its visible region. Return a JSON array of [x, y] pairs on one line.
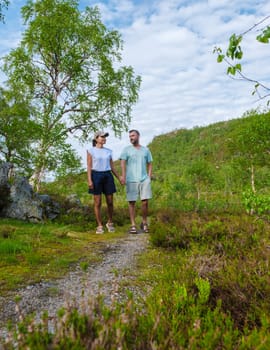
[[262, 39], [265, 36], [234, 49], [231, 70], [238, 67], [220, 58]]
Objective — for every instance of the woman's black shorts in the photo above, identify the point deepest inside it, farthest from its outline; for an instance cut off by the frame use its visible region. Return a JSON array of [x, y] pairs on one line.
[[103, 182]]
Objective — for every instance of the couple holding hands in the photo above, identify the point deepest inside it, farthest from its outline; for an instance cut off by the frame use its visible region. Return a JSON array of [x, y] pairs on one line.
[[136, 168]]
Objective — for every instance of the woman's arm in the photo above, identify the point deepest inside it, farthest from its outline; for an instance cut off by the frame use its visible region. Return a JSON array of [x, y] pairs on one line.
[[115, 173], [89, 169]]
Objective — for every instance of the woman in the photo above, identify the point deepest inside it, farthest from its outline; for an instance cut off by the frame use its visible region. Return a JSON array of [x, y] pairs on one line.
[[100, 179]]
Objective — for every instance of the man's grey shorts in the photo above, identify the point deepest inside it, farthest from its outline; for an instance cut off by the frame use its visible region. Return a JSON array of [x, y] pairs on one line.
[[140, 190]]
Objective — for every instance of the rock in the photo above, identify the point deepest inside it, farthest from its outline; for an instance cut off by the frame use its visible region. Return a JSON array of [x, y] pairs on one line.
[[23, 204], [74, 200], [19, 201], [51, 208], [5, 169]]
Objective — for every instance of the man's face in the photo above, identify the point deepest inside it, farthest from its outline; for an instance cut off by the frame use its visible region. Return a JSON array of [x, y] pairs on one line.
[[134, 138]]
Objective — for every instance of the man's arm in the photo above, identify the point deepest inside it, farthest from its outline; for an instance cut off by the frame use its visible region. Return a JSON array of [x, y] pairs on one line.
[[123, 170], [150, 169]]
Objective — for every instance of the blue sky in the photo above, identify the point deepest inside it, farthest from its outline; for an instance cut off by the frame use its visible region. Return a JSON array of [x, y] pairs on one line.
[[170, 44]]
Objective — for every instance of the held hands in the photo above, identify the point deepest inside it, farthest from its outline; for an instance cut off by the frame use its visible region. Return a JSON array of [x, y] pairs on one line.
[[122, 180]]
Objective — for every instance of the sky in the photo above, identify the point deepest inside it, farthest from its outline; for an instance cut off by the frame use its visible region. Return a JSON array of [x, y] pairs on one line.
[[170, 43]]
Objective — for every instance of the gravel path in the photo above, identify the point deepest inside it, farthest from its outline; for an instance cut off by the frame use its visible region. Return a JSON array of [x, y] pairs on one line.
[[103, 277]]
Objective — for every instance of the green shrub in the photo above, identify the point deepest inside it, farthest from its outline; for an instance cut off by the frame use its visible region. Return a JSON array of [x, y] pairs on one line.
[[257, 203]]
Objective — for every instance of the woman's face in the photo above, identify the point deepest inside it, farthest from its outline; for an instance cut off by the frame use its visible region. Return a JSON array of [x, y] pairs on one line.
[[101, 140]]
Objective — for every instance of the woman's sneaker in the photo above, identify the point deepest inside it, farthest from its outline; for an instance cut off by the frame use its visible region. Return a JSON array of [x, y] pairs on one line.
[[99, 230], [110, 227], [133, 229]]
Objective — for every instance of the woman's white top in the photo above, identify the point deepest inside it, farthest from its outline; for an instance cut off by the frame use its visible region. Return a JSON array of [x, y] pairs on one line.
[[101, 158]]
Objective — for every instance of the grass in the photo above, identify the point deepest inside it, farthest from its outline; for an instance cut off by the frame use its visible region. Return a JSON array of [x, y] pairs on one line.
[[34, 252], [212, 292], [203, 284], [229, 251]]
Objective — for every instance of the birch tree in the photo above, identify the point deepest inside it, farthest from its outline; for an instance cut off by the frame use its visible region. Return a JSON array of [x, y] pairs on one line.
[[69, 65], [17, 131]]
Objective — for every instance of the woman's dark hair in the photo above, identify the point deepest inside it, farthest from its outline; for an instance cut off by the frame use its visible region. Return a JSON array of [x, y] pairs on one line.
[[94, 142]]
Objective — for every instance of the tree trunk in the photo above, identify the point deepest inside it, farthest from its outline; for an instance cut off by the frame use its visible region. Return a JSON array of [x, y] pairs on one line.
[[35, 179], [253, 179]]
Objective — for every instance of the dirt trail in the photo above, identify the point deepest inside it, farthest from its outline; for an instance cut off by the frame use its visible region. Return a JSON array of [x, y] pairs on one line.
[[118, 257]]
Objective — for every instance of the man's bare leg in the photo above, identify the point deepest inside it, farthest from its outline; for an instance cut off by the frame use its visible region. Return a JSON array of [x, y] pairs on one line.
[[144, 210], [131, 207]]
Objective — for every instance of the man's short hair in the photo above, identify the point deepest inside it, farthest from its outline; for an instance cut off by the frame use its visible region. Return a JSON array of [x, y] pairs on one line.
[[134, 130]]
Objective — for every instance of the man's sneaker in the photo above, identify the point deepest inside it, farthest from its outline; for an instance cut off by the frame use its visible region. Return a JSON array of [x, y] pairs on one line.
[[110, 227], [99, 230]]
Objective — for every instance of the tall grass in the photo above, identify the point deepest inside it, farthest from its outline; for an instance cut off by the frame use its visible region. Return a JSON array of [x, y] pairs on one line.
[[13, 247]]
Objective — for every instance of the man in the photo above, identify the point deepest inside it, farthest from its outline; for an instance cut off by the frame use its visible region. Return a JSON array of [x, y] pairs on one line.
[[136, 166]]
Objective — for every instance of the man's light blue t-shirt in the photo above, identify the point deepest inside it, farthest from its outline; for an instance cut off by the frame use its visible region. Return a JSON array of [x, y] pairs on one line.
[[136, 162]]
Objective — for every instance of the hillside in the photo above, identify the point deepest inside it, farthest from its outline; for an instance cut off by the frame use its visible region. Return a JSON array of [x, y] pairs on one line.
[[218, 162], [204, 167]]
